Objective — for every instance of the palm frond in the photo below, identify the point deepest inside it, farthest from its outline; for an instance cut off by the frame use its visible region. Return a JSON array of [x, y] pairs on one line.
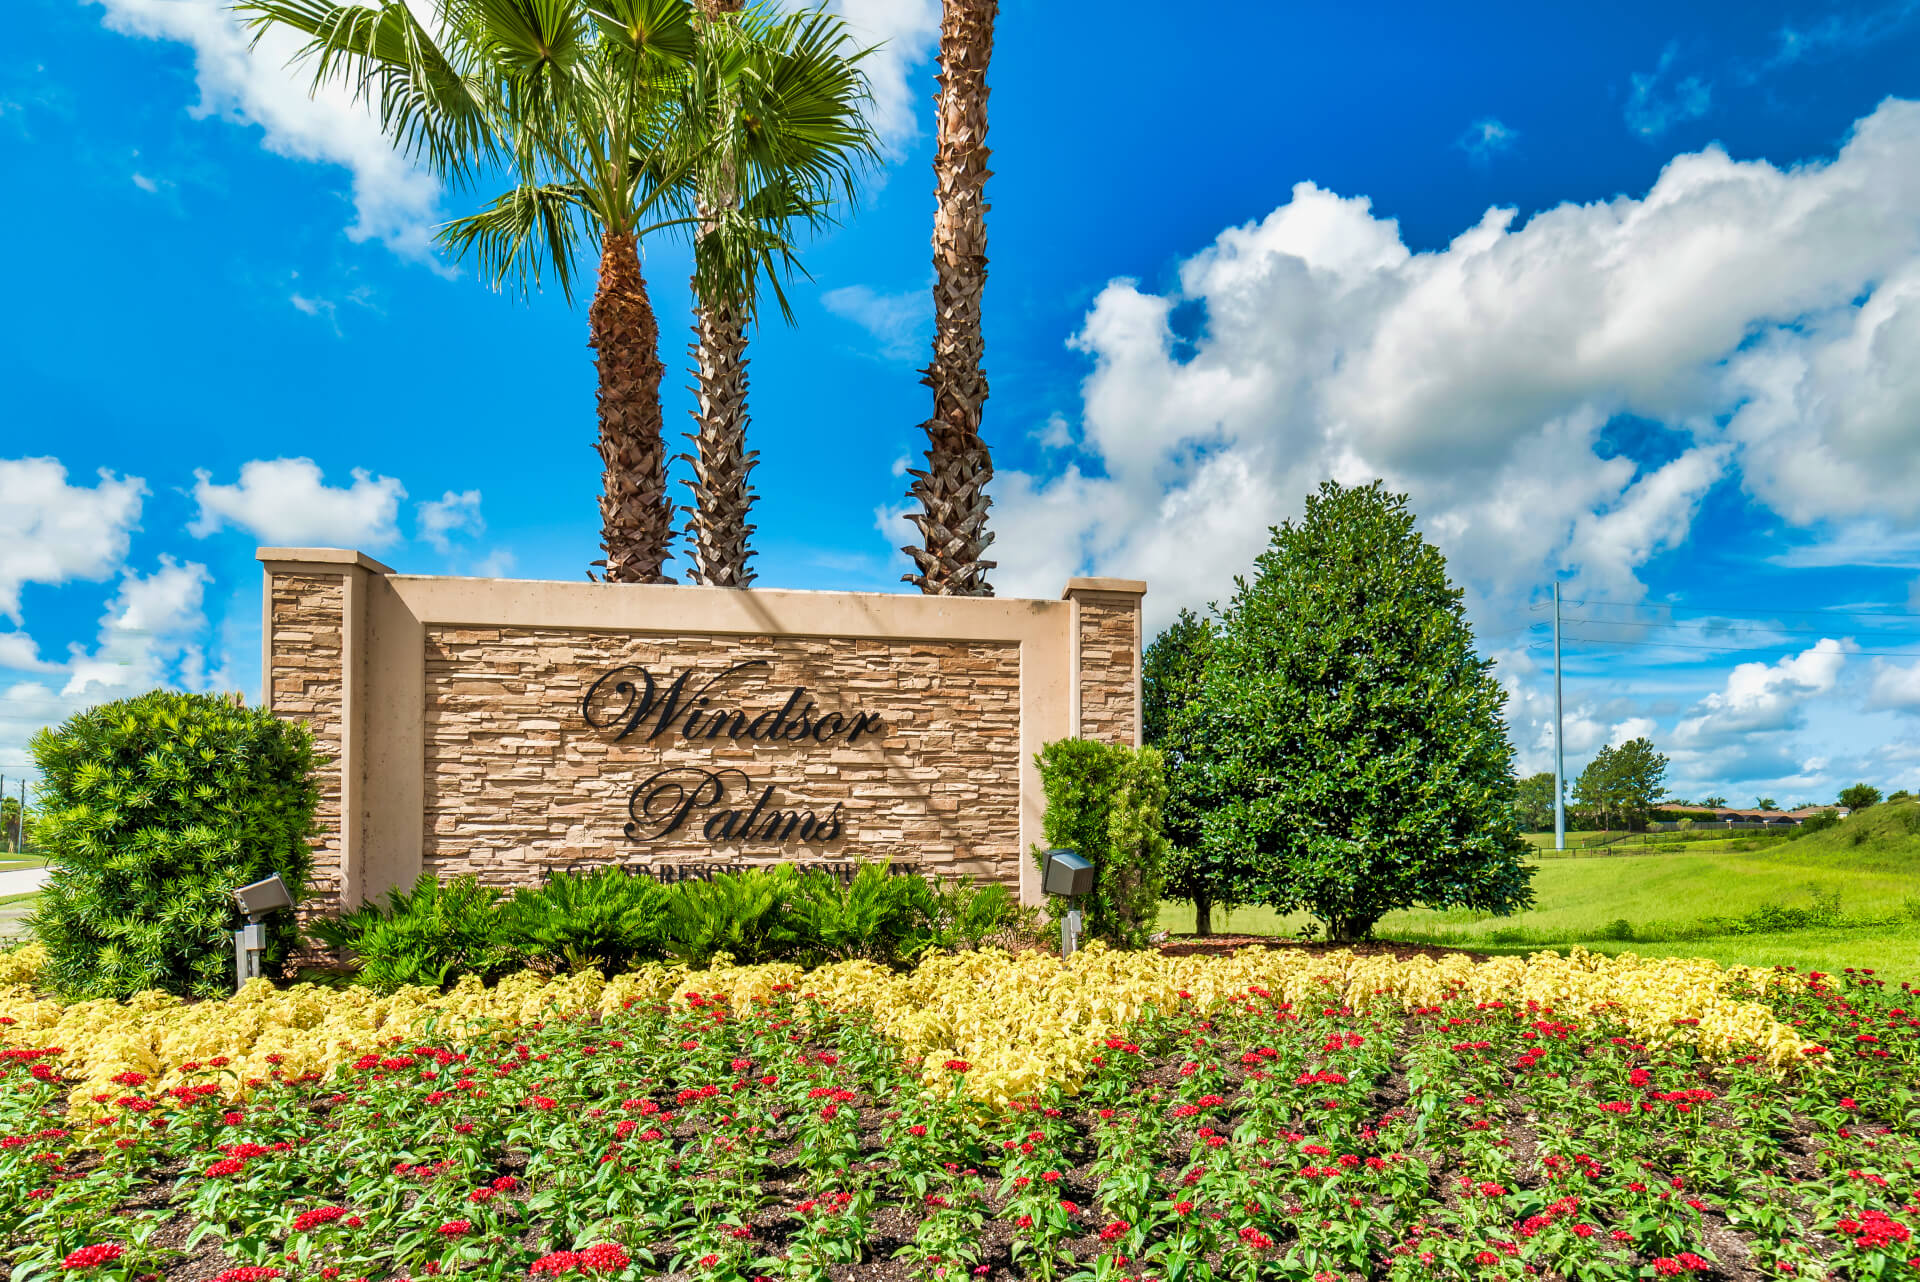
[[776, 137], [432, 110], [522, 233]]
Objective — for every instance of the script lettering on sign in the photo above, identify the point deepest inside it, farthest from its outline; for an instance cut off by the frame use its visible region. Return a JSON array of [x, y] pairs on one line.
[[723, 803]]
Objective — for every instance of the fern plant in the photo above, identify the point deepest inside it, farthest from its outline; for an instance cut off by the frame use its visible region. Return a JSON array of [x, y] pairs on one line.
[[967, 913], [874, 917], [743, 914], [430, 936], [606, 920], [151, 811]]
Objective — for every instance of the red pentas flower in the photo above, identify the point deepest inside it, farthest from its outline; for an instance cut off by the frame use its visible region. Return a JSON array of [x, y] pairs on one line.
[[307, 1221], [92, 1257], [957, 1066], [455, 1228], [606, 1257], [247, 1273], [226, 1166]]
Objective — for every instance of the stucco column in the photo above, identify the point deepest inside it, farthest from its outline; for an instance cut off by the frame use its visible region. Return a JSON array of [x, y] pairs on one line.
[[1107, 647], [313, 667]]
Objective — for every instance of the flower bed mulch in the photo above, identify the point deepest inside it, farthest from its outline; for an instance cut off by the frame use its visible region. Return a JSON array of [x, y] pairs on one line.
[[1262, 1140]]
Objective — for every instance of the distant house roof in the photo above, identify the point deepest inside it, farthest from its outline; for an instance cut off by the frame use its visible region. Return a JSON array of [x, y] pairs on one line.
[[1727, 814]]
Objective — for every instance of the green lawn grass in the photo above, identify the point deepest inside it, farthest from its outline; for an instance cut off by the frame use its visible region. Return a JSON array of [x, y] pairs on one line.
[[1585, 844], [1870, 864]]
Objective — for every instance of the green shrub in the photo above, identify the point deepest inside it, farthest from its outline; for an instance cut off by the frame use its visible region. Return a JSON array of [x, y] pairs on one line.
[[1104, 802], [968, 914], [1816, 823], [611, 920], [151, 811], [1173, 676], [1352, 738], [431, 936], [606, 920], [875, 917], [743, 914]]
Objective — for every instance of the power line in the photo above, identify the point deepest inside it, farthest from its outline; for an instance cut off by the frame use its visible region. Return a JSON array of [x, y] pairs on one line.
[[1793, 632], [1722, 649], [1733, 612]]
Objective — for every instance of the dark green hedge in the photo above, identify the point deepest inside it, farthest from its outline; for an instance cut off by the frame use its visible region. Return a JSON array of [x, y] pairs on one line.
[[151, 810]]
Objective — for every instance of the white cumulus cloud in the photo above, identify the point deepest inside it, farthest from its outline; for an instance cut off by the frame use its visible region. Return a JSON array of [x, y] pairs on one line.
[[1760, 316], [1895, 686], [150, 635], [450, 514], [51, 531], [287, 503], [901, 323], [1764, 697], [907, 32], [395, 201], [1654, 105]]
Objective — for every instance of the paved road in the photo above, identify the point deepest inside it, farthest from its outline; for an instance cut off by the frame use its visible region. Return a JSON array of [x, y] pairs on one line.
[[21, 881]]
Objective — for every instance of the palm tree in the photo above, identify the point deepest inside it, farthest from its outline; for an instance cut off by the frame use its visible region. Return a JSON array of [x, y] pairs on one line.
[[578, 104], [777, 102], [953, 488]]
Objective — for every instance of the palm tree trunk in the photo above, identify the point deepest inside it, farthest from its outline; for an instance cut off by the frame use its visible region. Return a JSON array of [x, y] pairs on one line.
[[636, 517], [717, 527], [953, 489]]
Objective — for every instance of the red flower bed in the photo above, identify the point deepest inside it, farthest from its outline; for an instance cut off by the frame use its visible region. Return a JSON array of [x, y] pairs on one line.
[[1262, 1140]]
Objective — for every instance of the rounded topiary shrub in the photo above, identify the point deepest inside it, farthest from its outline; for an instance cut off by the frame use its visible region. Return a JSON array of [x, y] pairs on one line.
[[151, 811]]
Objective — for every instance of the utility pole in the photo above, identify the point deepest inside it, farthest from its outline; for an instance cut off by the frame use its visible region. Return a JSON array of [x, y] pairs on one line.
[[1559, 738]]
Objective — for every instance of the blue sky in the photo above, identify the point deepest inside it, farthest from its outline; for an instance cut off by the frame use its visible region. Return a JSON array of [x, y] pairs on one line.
[[1627, 296]]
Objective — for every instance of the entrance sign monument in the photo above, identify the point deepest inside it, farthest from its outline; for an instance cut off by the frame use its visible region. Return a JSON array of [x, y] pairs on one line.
[[508, 728]]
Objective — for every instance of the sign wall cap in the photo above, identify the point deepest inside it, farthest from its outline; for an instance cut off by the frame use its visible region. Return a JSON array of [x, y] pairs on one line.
[[1130, 587], [321, 556]]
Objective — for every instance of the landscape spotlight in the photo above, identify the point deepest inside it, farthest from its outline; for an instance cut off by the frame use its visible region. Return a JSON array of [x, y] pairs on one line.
[[1070, 876], [256, 900], [1067, 874]]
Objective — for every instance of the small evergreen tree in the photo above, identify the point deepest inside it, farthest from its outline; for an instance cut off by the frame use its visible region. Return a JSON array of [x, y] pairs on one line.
[[152, 810], [1594, 790], [1353, 738], [1639, 780], [1859, 796], [12, 829], [1533, 801], [1105, 803], [1172, 677]]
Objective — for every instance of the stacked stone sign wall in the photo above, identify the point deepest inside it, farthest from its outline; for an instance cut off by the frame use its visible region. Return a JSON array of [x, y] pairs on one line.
[[507, 729], [305, 666]]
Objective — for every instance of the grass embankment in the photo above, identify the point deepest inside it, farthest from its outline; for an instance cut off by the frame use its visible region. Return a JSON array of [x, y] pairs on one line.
[[1589, 844], [1849, 896]]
